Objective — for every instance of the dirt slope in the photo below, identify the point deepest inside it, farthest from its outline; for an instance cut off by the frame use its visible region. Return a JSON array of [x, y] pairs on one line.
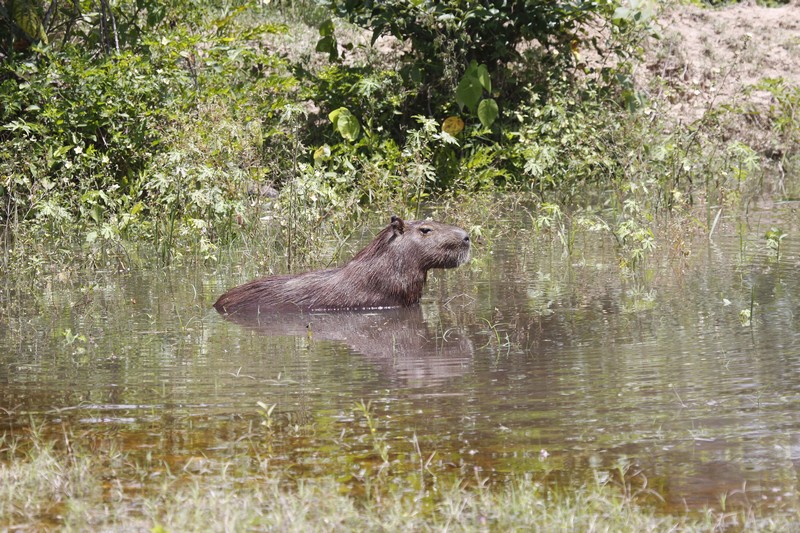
[[707, 56]]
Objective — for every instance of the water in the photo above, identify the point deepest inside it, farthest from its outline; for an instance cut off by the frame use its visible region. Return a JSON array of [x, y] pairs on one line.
[[527, 361]]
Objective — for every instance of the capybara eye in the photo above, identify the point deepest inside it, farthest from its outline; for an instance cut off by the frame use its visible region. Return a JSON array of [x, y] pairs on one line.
[[425, 231]]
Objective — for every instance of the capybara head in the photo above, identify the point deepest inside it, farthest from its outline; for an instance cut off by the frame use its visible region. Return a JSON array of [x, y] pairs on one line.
[[433, 244], [416, 247]]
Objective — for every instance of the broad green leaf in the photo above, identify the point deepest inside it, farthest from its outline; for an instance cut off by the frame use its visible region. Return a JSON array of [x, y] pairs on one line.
[[348, 126], [328, 45], [416, 74], [487, 112], [345, 123], [376, 35], [468, 92], [326, 28], [333, 115], [62, 150], [484, 79], [96, 213]]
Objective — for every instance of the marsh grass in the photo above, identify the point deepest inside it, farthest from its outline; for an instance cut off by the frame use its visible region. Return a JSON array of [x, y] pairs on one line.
[[57, 484]]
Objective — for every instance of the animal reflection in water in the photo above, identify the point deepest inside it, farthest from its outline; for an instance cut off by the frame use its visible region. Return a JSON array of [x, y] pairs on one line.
[[399, 342]]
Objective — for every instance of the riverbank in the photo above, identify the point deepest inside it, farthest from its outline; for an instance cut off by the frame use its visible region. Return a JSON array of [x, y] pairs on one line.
[[58, 485], [224, 136]]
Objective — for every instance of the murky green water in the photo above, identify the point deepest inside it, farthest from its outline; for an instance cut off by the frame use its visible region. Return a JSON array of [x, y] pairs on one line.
[[526, 361]]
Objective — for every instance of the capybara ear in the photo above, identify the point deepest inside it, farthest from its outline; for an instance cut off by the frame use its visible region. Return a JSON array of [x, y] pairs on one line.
[[398, 226]]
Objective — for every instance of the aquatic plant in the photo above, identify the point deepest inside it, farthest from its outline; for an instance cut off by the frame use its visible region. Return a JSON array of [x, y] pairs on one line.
[[774, 237]]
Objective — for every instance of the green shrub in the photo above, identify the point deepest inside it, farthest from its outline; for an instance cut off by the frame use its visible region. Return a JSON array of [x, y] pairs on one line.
[[503, 82], [71, 124], [160, 140], [446, 36]]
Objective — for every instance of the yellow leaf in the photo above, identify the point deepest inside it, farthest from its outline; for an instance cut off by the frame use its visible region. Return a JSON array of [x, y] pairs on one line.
[[452, 125]]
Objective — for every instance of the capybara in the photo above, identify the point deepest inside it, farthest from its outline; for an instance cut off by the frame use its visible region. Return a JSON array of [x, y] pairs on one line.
[[389, 272]]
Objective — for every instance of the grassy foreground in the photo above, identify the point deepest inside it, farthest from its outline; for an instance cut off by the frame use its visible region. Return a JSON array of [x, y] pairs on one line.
[[44, 488]]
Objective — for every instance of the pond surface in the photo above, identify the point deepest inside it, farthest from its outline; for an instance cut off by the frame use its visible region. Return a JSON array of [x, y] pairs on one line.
[[526, 361]]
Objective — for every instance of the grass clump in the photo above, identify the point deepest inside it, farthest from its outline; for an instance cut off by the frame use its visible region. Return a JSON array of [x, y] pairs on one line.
[[44, 486], [40, 482]]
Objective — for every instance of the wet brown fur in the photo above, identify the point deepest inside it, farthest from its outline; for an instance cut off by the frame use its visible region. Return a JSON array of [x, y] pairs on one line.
[[390, 272]]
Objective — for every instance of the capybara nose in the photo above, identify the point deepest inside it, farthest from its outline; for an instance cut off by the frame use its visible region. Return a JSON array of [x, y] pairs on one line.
[[466, 238]]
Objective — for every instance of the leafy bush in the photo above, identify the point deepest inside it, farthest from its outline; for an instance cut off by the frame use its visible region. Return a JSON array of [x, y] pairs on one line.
[[169, 123], [161, 140], [70, 123], [447, 36], [503, 80]]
